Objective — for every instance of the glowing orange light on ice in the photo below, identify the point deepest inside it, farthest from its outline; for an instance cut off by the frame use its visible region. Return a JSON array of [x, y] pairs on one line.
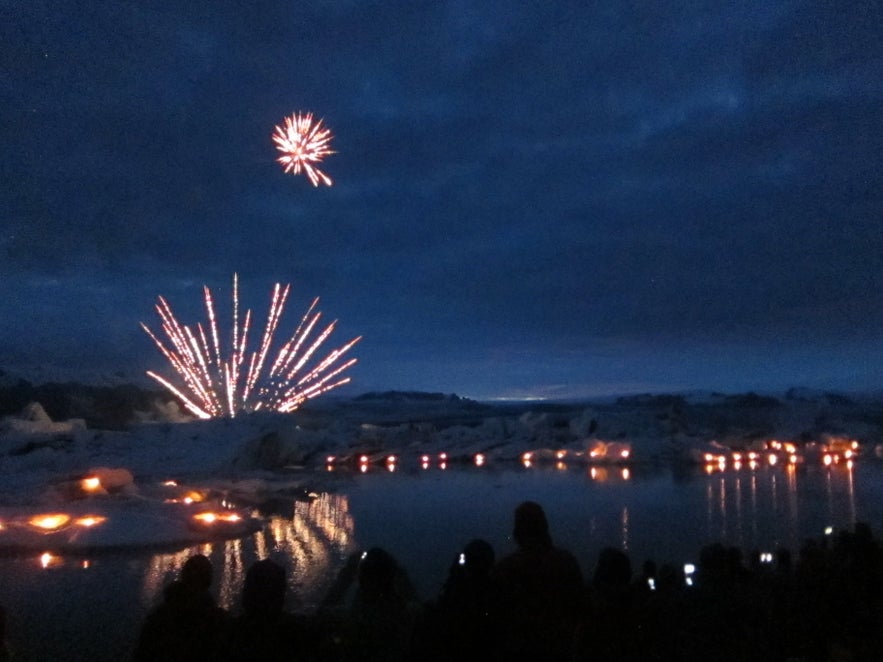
[[193, 497], [223, 381], [90, 520], [303, 143], [91, 484], [211, 518], [50, 522]]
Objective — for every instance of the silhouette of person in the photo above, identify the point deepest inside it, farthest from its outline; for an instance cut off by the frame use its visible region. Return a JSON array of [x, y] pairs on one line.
[[264, 631], [610, 632], [462, 625], [379, 622], [187, 625], [4, 651], [540, 592]]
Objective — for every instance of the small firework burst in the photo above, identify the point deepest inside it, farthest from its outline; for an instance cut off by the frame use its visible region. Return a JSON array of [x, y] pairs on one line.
[[303, 143], [224, 382]]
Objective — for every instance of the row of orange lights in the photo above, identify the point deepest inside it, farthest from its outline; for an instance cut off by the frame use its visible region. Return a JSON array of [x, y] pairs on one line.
[[49, 560], [48, 522], [754, 458], [208, 517], [479, 459], [51, 522], [212, 518]]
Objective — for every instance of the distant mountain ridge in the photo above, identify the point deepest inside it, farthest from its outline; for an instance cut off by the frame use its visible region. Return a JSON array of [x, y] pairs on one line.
[[799, 413]]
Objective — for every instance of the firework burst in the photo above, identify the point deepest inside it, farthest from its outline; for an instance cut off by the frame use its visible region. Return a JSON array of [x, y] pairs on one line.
[[303, 143], [224, 381]]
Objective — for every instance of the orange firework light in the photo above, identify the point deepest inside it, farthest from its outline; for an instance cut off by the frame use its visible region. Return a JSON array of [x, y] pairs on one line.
[[303, 143], [224, 382]]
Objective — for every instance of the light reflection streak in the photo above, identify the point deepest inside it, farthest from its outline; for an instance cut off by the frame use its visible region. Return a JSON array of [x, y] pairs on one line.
[[774, 494], [739, 539], [709, 509], [850, 487], [791, 474], [754, 513], [829, 494], [625, 528], [310, 543], [722, 486]]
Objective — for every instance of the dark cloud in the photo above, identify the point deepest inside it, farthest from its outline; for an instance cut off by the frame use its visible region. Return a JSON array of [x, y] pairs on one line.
[[551, 198]]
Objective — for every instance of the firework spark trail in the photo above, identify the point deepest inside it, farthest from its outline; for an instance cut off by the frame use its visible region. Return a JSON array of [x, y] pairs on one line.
[[214, 384], [290, 349], [302, 144]]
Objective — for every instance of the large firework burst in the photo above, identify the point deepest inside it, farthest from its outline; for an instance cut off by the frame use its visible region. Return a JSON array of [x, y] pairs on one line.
[[303, 143], [223, 382]]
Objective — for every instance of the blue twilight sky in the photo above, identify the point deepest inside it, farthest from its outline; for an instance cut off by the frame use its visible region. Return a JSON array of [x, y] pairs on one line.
[[548, 199]]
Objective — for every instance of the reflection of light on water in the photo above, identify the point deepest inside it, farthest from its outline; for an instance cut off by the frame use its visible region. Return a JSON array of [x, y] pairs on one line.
[[723, 505], [625, 528], [829, 493], [233, 574], [709, 509], [776, 502], [791, 474], [850, 486], [739, 540], [754, 508], [310, 543]]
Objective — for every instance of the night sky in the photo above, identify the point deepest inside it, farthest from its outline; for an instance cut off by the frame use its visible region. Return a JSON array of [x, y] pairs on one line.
[[549, 199]]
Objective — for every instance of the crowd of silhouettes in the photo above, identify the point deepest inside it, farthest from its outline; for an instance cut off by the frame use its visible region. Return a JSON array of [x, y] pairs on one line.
[[534, 605]]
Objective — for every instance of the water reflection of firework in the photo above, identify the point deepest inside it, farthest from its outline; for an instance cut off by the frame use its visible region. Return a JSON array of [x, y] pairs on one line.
[[224, 386], [312, 544]]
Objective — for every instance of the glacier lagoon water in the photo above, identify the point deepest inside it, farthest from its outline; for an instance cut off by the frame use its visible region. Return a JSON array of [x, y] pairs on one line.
[[91, 608]]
